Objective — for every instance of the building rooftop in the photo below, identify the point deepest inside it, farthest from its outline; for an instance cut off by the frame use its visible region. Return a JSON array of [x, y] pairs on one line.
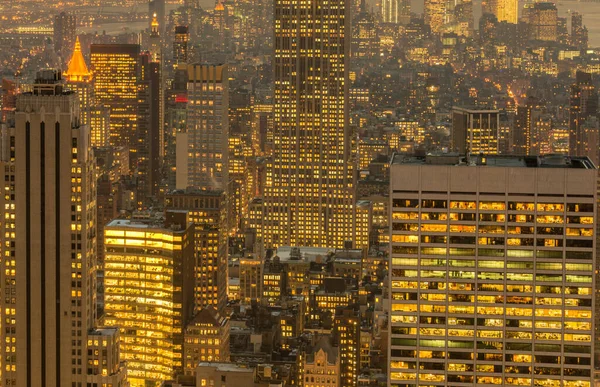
[[481, 160], [226, 367]]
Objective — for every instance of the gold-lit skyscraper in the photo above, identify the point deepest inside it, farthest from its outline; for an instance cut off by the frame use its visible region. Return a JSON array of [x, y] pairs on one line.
[[309, 184], [148, 279], [115, 68], [79, 79], [48, 239], [504, 10], [435, 14]]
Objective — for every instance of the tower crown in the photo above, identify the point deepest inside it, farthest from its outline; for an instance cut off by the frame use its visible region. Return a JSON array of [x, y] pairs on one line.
[[78, 70]]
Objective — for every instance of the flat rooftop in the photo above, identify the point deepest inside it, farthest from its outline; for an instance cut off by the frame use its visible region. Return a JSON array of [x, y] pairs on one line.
[[482, 160]]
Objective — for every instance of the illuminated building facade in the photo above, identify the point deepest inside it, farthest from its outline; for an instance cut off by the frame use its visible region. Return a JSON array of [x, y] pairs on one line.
[[504, 10], [309, 185], [148, 279], [49, 227], [250, 279], [206, 210], [543, 22], [346, 336], [116, 68], [206, 158], [435, 13], [492, 271], [206, 338], [180, 45], [475, 130], [320, 365], [395, 11], [104, 366]]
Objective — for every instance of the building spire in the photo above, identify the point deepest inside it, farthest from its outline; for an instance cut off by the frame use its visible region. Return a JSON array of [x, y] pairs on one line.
[[77, 70], [154, 24]]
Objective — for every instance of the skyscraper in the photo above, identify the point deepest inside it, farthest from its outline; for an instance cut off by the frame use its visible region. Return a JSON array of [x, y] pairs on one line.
[[48, 235], [309, 187], [64, 34], [492, 271], [204, 161], [543, 22], [207, 210], [475, 130], [149, 293], [116, 68], [579, 33], [180, 45], [435, 14], [156, 9], [395, 11], [504, 10], [584, 104], [79, 79]]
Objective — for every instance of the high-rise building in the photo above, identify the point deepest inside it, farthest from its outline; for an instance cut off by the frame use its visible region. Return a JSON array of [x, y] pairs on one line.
[[475, 130], [203, 159], [492, 270], [579, 33], [64, 34], [49, 203], [207, 210], [250, 279], [543, 22], [522, 136], [435, 14], [309, 187], [149, 130], [504, 10], [584, 104], [365, 43], [149, 293], [395, 11], [180, 45], [79, 79], [346, 336], [116, 70]]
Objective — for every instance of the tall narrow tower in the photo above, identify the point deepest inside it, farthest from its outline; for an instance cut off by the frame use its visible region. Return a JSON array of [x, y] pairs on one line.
[[309, 187], [49, 239]]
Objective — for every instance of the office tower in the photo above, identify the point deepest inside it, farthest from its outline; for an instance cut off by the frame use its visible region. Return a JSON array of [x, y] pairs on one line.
[[157, 7], [206, 339], [204, 161], [309, 187], [64, 34], [175, 124], [100, 126], [475, 130], [116, 69], [219, 23], [463, 18], [584, 104], [148, 290], [527, 114], [149, 130], [435, 13], [48, 236], [395, 11], [543, 22], [180, 45], [319, 365], [79, 79], [579, 33], [495, 283], [207, 210], [346, 336], [504, 10]]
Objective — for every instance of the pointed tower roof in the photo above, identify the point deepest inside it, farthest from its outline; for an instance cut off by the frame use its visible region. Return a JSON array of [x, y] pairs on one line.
[[219, 6], [154, 24], [78, 70]]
